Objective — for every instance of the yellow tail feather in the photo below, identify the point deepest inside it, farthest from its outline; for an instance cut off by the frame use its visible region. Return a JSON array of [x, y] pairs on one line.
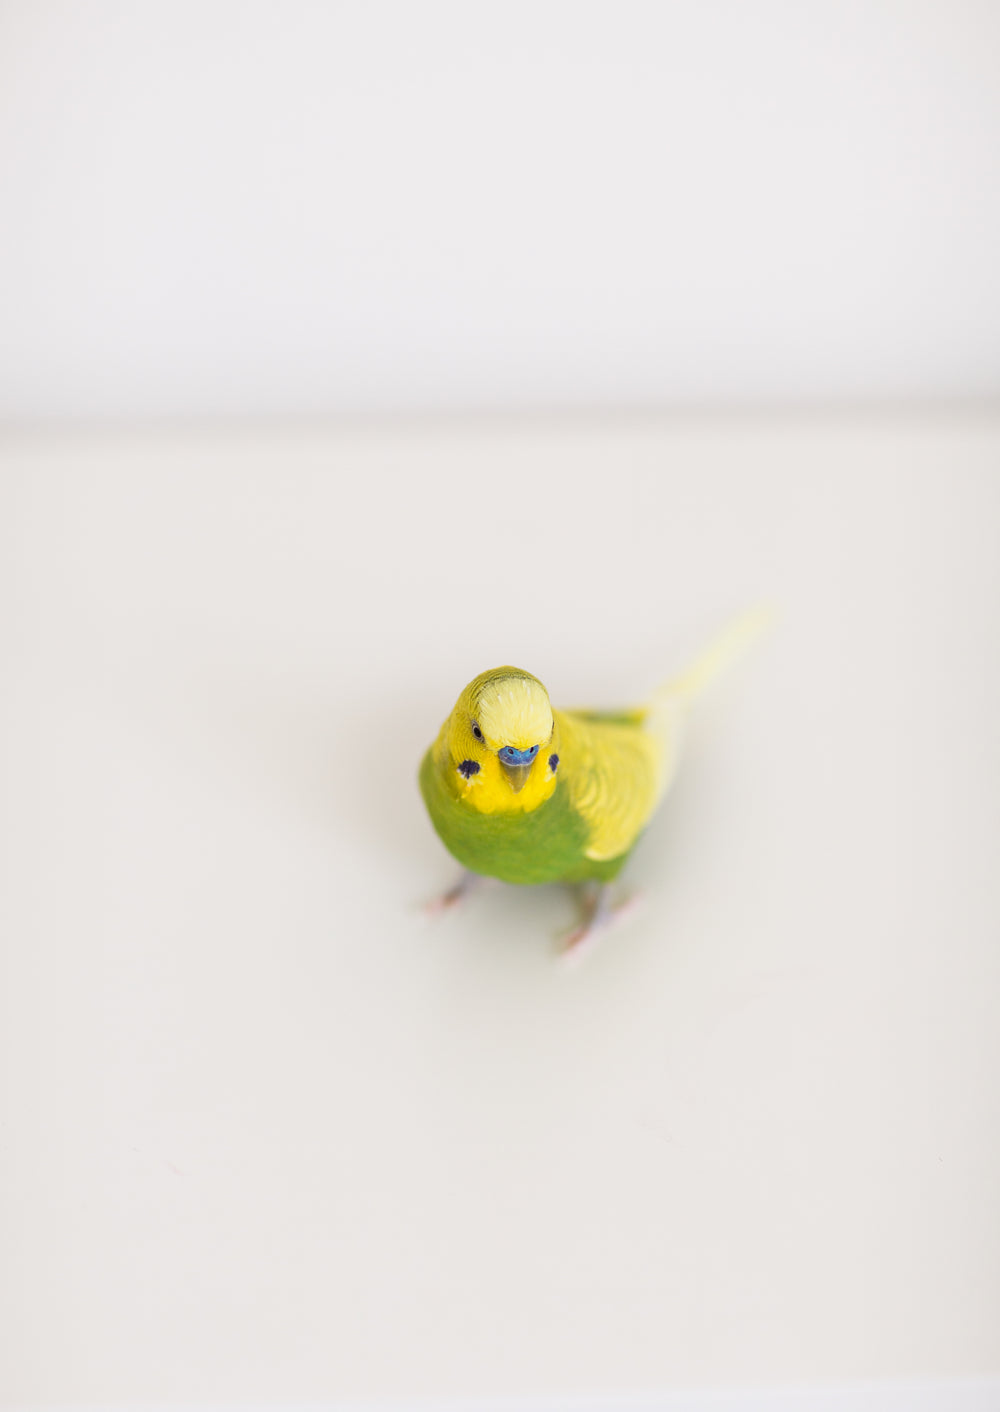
[[720, 654]]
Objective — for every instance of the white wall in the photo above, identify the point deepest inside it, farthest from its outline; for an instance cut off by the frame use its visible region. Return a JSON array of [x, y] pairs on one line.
[[233, 208]]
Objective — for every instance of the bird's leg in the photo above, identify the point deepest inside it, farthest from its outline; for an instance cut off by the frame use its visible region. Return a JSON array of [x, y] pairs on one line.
[[467, 883], [600, 915], [596, 910]]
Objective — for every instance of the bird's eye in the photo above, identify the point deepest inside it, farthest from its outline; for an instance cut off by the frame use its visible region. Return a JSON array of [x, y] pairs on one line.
[[476, 731]]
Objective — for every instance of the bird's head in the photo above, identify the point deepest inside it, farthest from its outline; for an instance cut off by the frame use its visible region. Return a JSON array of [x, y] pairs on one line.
[[500, 741]]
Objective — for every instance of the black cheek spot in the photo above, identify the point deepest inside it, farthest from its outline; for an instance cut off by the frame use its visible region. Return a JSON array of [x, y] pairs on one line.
[[553, 763], [468, 767]]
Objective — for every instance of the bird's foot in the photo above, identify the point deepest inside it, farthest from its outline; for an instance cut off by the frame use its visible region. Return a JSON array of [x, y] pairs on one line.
[[448, 901], [600, 916]]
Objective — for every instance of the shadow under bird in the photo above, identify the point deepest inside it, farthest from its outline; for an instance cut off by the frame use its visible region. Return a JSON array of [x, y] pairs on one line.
[[521, 791]]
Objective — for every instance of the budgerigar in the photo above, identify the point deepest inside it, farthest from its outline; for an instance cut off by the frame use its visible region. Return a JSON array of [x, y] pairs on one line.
[[520, 791]]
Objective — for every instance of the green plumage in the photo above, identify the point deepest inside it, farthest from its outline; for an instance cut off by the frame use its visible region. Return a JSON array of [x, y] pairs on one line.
[[545, 845]]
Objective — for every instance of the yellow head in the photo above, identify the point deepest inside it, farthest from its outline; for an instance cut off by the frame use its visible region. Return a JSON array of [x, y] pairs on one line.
[[500, 741]]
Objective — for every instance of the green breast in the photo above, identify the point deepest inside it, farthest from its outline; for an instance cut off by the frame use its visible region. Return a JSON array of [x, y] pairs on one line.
[[546, 845]]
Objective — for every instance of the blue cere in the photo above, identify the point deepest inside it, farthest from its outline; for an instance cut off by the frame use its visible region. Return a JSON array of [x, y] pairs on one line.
[[509, 756]]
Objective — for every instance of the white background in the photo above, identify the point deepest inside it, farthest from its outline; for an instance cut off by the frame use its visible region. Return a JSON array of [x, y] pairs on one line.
[[268, 1136], [231, 208]]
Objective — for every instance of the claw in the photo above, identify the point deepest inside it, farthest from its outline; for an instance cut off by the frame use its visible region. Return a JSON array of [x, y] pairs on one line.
[[467, 884], [600, 916]]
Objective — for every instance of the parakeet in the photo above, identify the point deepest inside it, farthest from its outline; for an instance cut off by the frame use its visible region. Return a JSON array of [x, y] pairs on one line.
[[520, 791]]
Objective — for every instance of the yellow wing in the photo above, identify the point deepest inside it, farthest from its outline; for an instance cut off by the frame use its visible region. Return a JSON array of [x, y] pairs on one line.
[[615, 773], [619, 764]]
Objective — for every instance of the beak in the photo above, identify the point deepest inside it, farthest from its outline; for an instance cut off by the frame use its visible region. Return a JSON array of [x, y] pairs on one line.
[[516, 765], [517, 775]]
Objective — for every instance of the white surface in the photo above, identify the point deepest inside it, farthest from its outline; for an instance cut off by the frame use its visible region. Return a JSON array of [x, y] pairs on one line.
[[238, 207], [267, 1135]]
